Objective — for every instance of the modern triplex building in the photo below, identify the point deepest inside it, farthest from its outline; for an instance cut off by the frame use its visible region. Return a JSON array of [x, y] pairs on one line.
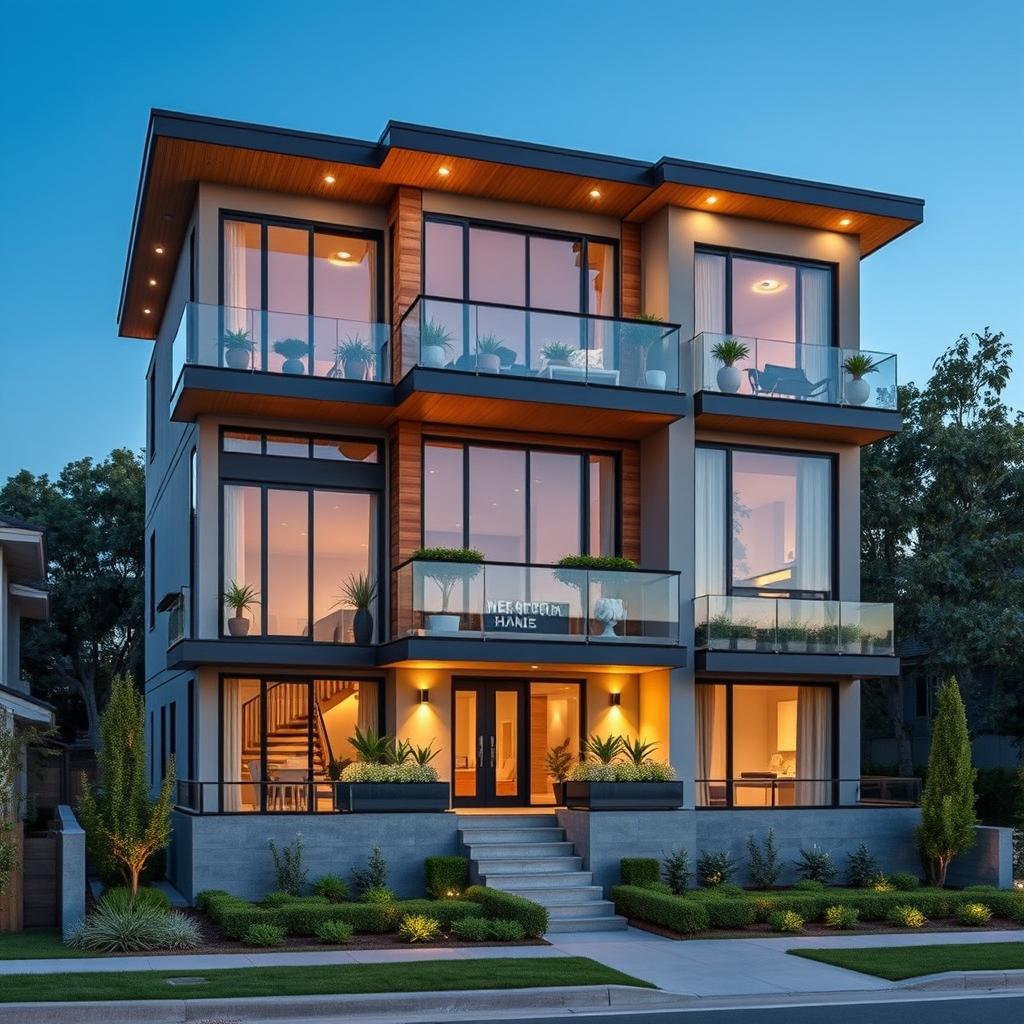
[[442, 340]]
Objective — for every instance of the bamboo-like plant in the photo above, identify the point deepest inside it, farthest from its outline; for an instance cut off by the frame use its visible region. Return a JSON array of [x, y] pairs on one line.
[[358, 591], [371, 746], [558, 760], [730, 350], [237, 339], [557, 351]]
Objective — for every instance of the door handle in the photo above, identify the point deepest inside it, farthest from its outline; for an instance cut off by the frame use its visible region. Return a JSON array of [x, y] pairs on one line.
[[492, 751], [479, 751]]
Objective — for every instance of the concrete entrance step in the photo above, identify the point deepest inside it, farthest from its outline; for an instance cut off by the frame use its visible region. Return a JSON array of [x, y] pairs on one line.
[[587, 924], [518, 881], [528, 865], [505, 820], [500, 851], [595, 908], [558, 895], [535, 834]]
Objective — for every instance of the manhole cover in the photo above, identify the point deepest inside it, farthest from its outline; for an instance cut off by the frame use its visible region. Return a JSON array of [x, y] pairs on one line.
[[186, 981]]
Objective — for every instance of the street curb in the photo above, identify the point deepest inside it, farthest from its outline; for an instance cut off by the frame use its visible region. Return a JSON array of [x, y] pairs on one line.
[[965, 980], [191, 1011]]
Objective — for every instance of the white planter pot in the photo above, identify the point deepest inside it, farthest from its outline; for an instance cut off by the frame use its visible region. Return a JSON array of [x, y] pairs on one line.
[[858, 391], [656, 379], [432, 355], [729, 379], [489, 362], [610, 611], [442, 623]]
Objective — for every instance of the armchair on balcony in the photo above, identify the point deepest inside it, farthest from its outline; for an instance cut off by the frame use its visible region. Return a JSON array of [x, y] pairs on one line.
[[785, 381]]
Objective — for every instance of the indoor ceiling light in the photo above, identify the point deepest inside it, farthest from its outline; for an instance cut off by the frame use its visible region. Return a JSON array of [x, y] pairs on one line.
[[147, 311], [329, 179], [845, 222], [768, 285], [444, 171], [711, 200], [342, 259], [595, 193]]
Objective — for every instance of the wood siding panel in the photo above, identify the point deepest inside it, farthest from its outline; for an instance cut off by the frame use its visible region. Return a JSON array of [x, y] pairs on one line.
[[405, 469], [12, 914], [40, 882], [405, 230], [629, 247]]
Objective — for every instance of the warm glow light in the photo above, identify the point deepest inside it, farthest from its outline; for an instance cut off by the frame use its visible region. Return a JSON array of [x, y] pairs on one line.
[[595, 193], [329, 179], [711, 200], [152, 282], [159, 250], [616, 699], [147, 311], [342, 259], [424, 695], [777, 576], [845, 222], [768, 285], [444, 171]]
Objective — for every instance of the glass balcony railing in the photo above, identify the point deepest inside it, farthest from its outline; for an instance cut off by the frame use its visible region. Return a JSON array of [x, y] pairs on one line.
[[783, 625], [783, 369], [536, 602], [510, 341], [263, 341]]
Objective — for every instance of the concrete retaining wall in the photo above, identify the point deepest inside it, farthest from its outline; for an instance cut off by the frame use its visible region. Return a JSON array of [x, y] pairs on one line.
[[231, 851], [70, 870], [988, 862]]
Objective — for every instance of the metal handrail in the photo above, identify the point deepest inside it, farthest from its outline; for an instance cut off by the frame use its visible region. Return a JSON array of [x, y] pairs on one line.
[[773, 785]]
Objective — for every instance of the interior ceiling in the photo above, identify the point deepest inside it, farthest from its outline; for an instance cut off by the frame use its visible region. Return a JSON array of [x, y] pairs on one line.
[[176, 166]]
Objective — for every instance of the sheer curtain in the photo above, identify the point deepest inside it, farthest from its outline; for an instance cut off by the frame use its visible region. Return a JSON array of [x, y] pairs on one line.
[[231, 744], [234, 538], [819, 358], [812, 570], [813, 745], [366, 695], [708, 306], [237, 300], [709, 553], [710, 759]]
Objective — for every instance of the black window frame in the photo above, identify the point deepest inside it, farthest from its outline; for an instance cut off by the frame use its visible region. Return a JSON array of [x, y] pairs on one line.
[[301, 435], [780, 259], [191, 718], [792, 593], [163, 742], [151, 580], [151, 409], [584, 456]]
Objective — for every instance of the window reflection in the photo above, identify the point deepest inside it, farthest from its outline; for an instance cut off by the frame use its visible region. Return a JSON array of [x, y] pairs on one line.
[[342, 551], [243, 548], [497, 508], [554, 506], [287, 563], [443, 496]]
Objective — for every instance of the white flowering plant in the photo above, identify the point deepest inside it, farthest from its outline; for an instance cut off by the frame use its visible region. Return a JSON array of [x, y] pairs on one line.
[[366, 771]]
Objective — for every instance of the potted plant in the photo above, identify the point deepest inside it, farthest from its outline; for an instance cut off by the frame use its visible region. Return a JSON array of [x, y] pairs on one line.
[[793, 638], [605, 570], [448, 567], [641, 335], [390, 776], [355, 356], [557, 353], [717, 633], [237, 349], [764, 638], [850, 639], [743, 636], [857, 366], [292, 350], [239, 599], [489, 350], [557, 763], [877, 643], [435, 344], [359, 592], [619, 775], [728, 352]]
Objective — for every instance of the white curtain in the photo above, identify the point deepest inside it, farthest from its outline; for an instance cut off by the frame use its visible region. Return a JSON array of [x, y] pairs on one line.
[[813, 745], [238, 302], [818, 357], [707, 695], [366, 695], [708, 309], [709, 552], [812, 570], [234, 538], [232, 746]]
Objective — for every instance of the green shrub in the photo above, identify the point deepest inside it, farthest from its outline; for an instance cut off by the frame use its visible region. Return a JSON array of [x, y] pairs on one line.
[[120, 896], [639, 870], [904, 881], [677, 870], [881, 884], [289, 869], [907, 917], [684, 916], [786, 921], [764, 865], [861, 868], [235, 921], [715, 867], [839, 916], [729, 913], [809, 885], [263, 935], [332, 888], [662, 887], [373, 876], [334, 933], [418, 928], [304, 919], [763, 907], [118, 927], [816, 865], [497, 904], [973, 914], [378, 894], [446, 911], [472, 929], [505, 931], [446, 877], [810, 906], [208, 896], [273, 900], [729, 889]]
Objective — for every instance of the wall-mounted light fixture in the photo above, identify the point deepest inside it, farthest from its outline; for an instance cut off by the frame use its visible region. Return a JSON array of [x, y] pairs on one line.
[[616, 699], [424, 695]]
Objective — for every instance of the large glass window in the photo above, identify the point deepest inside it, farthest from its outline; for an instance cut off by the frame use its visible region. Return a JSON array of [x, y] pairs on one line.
[[343, 537], [243, 548], [525, 505], [554, 722], [776, 536], [764, 745]]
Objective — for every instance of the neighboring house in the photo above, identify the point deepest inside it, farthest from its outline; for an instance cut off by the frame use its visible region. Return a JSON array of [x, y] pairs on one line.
[[435, 339]]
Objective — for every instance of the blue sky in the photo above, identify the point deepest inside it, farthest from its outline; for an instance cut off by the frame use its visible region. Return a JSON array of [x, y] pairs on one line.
[[923, 99]]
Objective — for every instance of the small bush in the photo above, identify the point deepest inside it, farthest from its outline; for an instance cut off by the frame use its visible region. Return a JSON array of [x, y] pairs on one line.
[[506, 905], [662, 887], [446, 877], [332, 888], [373, 876], [714, 868], [639, 870], [839, 916], [904, 881], [973, 914], [816, 865], [684, 916], [289, 870], [418, 928], [729, 913], [809, 885], [907, 917], [132, 928], [786, 921], [263, 935], [304, 919], [446, 911], [862, 868], [763, 907], [881, 884], [764, 865], [502, 930], [283, 899], [677, 870], [472, 929], [334, 933], [120, 896], [378, 894]]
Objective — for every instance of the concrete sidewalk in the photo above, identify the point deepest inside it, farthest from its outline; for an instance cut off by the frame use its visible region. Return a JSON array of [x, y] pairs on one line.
[[695, 967]]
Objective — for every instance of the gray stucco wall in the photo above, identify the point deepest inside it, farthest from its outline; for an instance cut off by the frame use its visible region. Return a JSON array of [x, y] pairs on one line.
[[231, 851], [71, 870], [988, 862]]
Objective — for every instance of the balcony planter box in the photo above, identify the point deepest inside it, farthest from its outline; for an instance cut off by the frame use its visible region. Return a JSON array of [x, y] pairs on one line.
[[624, 796], [392, 797]]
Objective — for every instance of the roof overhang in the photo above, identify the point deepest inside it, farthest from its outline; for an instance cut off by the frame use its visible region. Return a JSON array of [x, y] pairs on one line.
[[24, 550], [33, 602], [183, 149], [26, 708]]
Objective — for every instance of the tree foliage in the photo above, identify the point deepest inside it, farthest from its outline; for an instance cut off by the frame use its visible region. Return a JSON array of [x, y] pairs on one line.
[[947, 804], [94, 514], [123, 825]]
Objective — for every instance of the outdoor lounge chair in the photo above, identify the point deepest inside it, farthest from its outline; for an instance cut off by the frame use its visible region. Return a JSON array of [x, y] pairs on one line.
[[788, 381]]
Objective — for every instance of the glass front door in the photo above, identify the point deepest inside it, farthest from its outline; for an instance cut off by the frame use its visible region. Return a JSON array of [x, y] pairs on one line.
[[489, 746]]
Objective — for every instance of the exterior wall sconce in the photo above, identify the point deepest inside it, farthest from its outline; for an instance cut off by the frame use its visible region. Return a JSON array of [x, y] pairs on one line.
[[424, 696], [616, 699]]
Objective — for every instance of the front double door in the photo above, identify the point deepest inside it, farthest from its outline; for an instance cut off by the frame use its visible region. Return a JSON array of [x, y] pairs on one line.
[[490, 767]]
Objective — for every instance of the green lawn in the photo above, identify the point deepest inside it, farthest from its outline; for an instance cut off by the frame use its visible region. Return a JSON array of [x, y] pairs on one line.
[[421, 976], [895, 963], [35, 944]]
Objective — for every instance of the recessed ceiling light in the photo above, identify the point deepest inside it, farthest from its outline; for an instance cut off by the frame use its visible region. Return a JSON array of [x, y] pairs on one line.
[[535, 666], [147, 311], [159, 250], [595, 193], [845, 222], [342, 258], [768, 285], [444, 171], [152, 282], [329, 179], [711, 200]]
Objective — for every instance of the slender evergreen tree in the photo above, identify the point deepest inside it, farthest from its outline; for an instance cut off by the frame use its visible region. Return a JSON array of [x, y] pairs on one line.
[[947, 805], [123, 824]]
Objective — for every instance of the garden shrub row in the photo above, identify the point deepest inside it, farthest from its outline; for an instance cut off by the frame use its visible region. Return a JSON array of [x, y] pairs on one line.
[[678, 915], [446, 876], [509, 907]]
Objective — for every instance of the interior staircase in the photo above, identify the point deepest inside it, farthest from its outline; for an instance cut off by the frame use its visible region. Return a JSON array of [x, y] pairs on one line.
[[528, 854]]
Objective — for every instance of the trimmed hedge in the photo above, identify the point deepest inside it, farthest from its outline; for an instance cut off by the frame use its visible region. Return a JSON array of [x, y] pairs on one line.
[[730, 913], [446, 875], [507, 906], [445, 911], [639, 870], [672, 912]]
